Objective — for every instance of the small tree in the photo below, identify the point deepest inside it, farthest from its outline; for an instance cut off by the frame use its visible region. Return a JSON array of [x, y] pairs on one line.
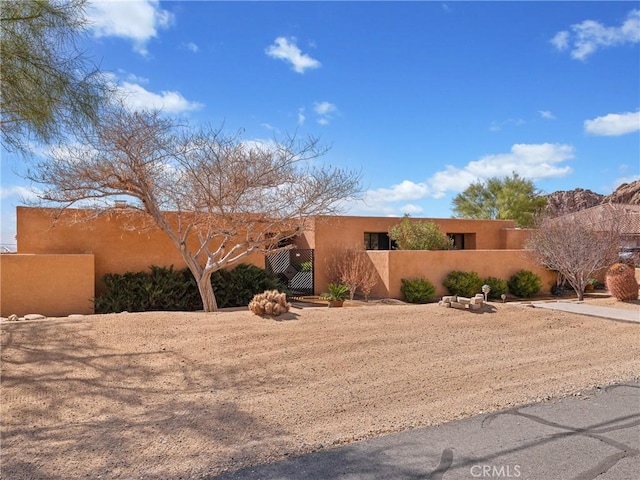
[[575, 247], [354, 269], [419, 235], [216, 197]]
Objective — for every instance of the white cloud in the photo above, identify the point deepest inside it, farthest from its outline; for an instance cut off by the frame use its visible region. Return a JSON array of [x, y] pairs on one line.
[[138, 21], [301, 116], [497, 126], [137, 97], [546, 114], [530, 161], [588, 36], [192, 47], [613, 124], [287, 50], [325, 112], [19, 191], [402, 192]]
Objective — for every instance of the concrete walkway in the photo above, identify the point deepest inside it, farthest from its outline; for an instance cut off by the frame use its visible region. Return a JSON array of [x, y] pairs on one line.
[[592, 310], [594, 435]]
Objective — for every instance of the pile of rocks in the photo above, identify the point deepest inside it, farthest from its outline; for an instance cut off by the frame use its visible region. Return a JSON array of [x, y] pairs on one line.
[[463, 303]]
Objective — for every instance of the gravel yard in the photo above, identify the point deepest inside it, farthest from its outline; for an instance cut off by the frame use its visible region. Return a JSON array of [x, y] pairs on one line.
[[185, 395]]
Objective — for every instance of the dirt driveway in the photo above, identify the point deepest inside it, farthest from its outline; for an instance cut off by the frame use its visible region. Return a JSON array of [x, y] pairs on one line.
[[184, 395]]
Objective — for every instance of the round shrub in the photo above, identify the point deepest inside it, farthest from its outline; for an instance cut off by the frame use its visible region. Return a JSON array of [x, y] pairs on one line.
[[621, 282], [417, 290], [464, 284], [524, 284], [498, 287], [271, 303]]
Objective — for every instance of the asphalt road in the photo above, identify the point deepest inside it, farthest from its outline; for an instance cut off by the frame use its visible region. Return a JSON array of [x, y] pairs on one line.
[[595, 435]]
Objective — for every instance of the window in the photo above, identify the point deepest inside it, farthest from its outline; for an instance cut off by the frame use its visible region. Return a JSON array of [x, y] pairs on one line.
[[379, 241], [458, 240]]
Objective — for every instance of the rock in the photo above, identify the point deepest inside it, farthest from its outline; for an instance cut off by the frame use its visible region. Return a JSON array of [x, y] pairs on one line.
[[569, 201], [458, 305], [625, 193], [449, 298], [464, 300], [13, 318], [445, 304], [75, 316], [563, 202], [475, 306], [34, 316]]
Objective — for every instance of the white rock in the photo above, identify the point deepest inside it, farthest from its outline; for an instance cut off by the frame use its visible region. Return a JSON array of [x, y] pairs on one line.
[[34, 316], [13, 317]]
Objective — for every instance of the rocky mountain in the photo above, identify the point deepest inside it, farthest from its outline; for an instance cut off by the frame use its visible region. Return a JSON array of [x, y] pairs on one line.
[[575, 200], [625, 193]]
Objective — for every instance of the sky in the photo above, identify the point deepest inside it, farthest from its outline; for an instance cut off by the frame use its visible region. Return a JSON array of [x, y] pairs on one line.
[[422, 98]]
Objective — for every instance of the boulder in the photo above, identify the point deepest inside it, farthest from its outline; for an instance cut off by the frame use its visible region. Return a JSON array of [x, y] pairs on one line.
[[34, 316]]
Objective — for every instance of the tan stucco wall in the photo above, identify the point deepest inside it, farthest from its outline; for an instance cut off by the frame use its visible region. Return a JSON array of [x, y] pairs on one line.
[[514, 238], [333, 234], [52, 285], [436, 265], [114, 240]]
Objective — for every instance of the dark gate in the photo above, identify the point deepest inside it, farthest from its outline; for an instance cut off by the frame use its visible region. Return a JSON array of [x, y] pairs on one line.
[[295, 268]]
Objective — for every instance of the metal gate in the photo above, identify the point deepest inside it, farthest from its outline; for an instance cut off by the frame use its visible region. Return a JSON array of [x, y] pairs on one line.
[[294, 268]]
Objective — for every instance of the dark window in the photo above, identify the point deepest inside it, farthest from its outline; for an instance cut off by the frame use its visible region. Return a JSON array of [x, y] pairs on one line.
[[458, 240], [379, 241]]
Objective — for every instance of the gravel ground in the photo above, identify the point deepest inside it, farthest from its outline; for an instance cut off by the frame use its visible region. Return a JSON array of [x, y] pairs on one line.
[[186, 395]]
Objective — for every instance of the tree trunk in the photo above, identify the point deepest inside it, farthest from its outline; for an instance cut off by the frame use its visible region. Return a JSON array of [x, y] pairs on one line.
[[209, 303]]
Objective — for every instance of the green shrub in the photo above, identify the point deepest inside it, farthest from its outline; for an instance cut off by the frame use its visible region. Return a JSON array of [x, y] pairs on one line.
[[243, 283], [498, 287], [419, 235], [524, 284], [160, 289], [167, 289], [465, 284], [417, 290]]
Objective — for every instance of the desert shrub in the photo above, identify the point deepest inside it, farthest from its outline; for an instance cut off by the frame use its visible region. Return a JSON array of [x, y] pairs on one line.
[[621, 282], [272, 303], [498, 287], [163, 288], [353, 268], [524, 284], [419, 235], [465, 284], [417, 290], [236, 288]]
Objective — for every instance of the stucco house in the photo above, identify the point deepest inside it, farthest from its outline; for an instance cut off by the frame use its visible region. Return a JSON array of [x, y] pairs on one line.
[[58, 266]]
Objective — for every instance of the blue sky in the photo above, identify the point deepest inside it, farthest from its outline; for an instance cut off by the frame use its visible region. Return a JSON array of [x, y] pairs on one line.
[[422, 97]]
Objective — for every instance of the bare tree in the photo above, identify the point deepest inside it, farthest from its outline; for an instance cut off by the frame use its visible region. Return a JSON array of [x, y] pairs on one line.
[[216, 197], [353, 268], [575, 246]]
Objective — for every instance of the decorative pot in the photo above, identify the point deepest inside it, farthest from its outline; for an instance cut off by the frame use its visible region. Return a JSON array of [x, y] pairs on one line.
[[336, 303]]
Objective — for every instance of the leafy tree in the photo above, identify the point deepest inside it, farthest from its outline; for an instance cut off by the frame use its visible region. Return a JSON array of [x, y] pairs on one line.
[[216, 197], [509, 198], [575, 247], [419, 235], [47, 85]]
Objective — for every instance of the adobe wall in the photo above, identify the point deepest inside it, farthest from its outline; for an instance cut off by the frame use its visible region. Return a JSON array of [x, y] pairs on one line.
[[514, 238], [118, 243], [333, 234], [436, 265], [51, 285]]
